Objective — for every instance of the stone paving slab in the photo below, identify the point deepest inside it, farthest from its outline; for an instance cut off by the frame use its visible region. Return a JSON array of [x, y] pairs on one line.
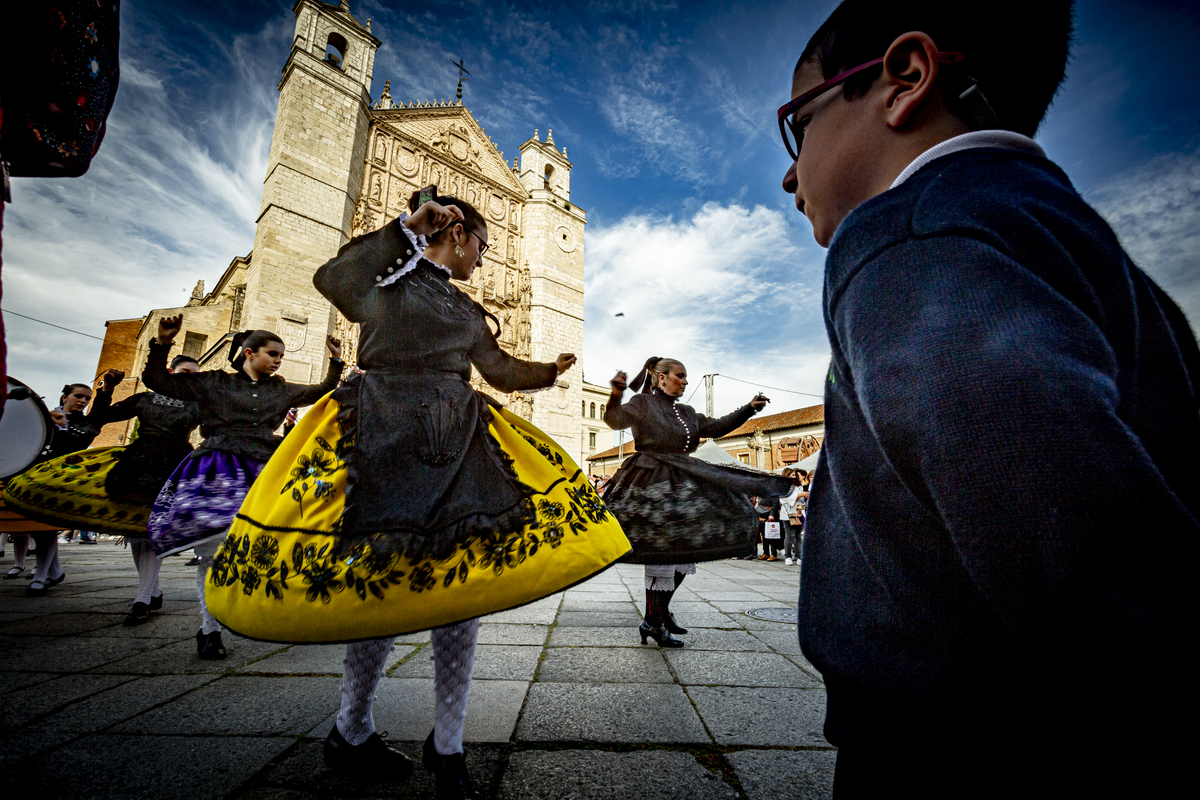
[[718, 639], [601, 619], [26, 745], [492, 662], [120, 703], [251, 705], [511, 633], [596, 775], [68, 624], [18, 710], [160, 626], [179, 658], [73, 654], [123, 767], [404, 708], [302, 772], [769, 717], [782, 775], [713, 668], [604, 665], [578, 636], [627, 712], [315, 659]]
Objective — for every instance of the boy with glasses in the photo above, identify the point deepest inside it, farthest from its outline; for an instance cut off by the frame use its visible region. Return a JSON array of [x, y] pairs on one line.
[[982, 636]]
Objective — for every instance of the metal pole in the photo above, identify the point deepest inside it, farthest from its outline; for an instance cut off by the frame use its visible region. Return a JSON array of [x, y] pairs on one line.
[[708, 394]]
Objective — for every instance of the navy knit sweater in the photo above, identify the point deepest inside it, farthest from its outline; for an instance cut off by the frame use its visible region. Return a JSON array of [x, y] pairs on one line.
[[1004, 520]]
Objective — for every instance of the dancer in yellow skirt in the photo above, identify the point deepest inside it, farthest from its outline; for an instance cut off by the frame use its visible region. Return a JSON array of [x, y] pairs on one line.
[[406, 500], [113, 488]]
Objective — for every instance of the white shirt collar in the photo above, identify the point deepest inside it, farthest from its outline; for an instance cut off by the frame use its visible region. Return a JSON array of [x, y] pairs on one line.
[[1005, 140]]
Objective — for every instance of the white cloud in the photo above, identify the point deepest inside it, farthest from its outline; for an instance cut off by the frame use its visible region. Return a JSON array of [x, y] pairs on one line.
[[1155, 210], [728, 291]]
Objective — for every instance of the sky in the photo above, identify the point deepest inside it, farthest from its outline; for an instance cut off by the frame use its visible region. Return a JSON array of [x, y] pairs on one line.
[[667, 110]]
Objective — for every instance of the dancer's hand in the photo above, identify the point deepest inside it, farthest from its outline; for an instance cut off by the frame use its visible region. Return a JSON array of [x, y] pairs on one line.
[[334, 346], [620, 382], [759, 402], [111, 378], [431, 218], [168, 328], [564, 362], [58, 418]]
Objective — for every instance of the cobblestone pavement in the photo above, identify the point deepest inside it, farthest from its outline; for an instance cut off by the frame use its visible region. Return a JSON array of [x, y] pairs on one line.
[[566, 702]]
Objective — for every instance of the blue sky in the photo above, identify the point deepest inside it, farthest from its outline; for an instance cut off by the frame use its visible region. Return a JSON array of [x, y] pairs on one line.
[[667, 111]]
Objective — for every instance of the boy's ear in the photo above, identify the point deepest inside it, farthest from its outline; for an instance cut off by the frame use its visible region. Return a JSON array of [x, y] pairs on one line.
[[910, 73]]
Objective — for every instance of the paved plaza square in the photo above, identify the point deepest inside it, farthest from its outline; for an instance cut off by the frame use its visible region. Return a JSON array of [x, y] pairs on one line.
[[566, 701]]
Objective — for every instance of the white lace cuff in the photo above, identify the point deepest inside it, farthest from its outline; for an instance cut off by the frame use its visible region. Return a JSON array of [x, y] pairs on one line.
[[419, 244]]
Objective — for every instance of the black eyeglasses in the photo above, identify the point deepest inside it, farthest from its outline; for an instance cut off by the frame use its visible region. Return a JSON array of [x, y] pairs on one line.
[[483, 246], [793, 134]]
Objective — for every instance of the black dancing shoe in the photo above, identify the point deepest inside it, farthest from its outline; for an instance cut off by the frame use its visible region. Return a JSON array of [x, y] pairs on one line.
[[671, 625], [209, 646], [137, 615], [13, 572], [372, 759], [56, 581], [659, 634], [156, 603], [37, 589], [449, 773]]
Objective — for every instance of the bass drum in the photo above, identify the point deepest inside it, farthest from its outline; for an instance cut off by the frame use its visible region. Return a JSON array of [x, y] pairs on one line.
[[25, 429]]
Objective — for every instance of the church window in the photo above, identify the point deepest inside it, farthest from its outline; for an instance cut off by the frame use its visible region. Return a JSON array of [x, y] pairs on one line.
[[583, 409], [593, 415], [193, 344], [602, 410], [744, 458], [592, 441], [549, 174], [336, 48]]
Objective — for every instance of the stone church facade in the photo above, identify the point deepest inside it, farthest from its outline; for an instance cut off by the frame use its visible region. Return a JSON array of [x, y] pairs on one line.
[[341, 165]]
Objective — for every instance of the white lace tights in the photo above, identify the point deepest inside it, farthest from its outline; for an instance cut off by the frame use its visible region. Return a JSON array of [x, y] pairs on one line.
[[148, 566], [453, 660]]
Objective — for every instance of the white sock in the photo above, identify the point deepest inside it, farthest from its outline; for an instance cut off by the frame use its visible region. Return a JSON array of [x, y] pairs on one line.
[[453, 660], [20, 543], [48, 567], [361, 671], [3, 541], [148, 566], [208, 624]]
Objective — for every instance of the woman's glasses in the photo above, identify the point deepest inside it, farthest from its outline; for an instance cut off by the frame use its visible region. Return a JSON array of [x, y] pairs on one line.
[[793, 133]]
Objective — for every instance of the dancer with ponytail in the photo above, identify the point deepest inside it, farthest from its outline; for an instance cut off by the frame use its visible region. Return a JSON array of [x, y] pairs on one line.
[[114, 488], [239, 413], [408, 500], [676, 509], [74, 430]]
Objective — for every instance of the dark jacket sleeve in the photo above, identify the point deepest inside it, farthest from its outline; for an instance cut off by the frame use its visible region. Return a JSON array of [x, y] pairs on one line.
[[347, 279], [300, 394], [619, 415], [969, 367], [117, 412], [102, 406], [504, 372], [712, 428], [181, 386]]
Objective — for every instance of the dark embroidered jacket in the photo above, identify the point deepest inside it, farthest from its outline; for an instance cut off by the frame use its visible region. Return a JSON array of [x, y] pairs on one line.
[[424, 474], [662, 425], [82, 428], [237, 415]]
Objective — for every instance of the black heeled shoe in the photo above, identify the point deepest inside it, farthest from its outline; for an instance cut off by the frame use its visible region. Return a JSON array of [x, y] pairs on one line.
[[449, 773], [373, 759], [156, 603], [671, 625], [659, 634]]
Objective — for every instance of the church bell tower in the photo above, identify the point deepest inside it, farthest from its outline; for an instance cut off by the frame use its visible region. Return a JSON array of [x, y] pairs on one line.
[[314, 177]]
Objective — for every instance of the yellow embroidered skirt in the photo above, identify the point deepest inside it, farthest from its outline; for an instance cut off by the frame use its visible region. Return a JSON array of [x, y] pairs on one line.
[[276, 578], [14, 522], [68, 493]]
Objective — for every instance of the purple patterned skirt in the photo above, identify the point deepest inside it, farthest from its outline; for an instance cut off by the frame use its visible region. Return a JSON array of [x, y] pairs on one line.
[[200, 499]]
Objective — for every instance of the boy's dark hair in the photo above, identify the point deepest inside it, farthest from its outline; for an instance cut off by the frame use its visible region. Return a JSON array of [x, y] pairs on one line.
[[472, 219], [1017, 52], [177, 360]]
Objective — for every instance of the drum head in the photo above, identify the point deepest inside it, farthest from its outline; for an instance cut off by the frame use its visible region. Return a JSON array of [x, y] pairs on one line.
[[25, 429]]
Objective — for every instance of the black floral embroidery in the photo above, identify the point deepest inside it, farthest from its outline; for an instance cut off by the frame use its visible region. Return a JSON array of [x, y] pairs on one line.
[[310, 472], [255, 561]]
